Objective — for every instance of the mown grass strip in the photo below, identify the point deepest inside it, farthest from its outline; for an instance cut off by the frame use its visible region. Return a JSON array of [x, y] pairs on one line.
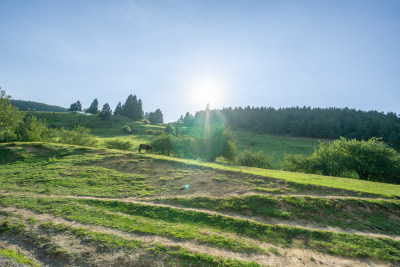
[[182, 224], [361, 214], [181, 254]]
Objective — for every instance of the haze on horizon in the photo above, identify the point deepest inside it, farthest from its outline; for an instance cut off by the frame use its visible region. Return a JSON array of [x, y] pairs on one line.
[[180, 55]]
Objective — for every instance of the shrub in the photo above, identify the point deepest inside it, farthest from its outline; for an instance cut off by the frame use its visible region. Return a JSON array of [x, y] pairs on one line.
[[219, 142], [186, 147], [33, 129], [170, 129], [126, 129], [10, 117], [146, 121], [118, 144], [371, 160], [254, 159], [163, 144], [79, 136]]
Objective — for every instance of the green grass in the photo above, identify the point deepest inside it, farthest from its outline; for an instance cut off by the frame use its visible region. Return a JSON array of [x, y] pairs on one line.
[[63, 169], [69, 171], [103, 242], [180, 224], [373, 215], [178, 254], [383, 189], [15, 257], [276, 146], [142, 221], [99, 127]]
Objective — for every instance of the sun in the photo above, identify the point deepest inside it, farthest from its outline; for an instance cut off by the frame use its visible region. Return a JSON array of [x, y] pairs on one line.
[[206, 90]]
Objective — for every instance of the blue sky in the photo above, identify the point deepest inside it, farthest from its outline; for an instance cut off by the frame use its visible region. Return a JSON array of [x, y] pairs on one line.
[[180, 55]]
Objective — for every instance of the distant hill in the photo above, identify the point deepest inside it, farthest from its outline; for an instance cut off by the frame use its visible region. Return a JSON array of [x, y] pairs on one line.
[[30, 105]]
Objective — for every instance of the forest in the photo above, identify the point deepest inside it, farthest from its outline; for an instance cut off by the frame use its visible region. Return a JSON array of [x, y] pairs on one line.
[[323, 123], [35, 106]]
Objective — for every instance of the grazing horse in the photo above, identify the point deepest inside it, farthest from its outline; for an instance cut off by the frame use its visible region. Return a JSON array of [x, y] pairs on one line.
[[145, 147]]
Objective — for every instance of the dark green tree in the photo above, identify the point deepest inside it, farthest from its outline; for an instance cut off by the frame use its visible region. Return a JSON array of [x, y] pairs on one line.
[[188, 119], [75, 107], [138, 114], [94, 107], [128, 108], [118, 109], [155, 117], [106, 112], [133, 108]]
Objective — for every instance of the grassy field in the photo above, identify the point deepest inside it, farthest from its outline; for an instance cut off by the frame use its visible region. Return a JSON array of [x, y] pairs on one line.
[[85, 206], [275, 146]]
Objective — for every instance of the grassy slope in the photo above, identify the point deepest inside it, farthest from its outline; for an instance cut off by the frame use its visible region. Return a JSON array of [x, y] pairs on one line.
[[276, 146], [33, 174], [31, 168], [300, 178]]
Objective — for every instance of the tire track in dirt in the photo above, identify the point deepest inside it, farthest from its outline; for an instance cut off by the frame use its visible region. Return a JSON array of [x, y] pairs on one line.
[[288, 257]]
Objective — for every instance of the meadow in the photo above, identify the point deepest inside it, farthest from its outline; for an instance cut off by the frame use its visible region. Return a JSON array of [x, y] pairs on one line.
[[81, 206], [273, 145]]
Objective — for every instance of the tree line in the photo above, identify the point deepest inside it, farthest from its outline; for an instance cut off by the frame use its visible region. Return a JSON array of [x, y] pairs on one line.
[[325, 123], [132, 108], [35, 106]]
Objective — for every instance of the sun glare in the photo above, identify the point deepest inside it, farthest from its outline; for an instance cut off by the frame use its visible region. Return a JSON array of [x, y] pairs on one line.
[[206, 90]]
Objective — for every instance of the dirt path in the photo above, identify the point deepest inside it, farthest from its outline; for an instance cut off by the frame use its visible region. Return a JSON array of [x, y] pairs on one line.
[[288, 257], [274, 221]]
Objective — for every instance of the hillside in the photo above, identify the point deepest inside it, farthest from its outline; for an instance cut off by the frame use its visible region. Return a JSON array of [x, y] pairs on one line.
[[68, 205], [275, 146], [36, 106]]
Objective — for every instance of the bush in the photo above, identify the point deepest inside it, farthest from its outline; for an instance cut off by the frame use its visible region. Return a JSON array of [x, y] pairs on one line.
[[186, 147], [163, 144], [371, 160], [118, 144], [254, 159], [79, 136], [126, 129], [219, 142], [33, 129]]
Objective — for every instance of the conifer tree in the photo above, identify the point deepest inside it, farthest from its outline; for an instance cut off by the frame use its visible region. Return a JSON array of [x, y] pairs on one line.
[[118, 109], [133, 108], [155, 117], [94, 107], [75, 107], [106, 112]]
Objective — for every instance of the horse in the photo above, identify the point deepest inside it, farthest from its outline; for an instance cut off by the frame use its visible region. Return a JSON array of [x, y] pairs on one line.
[[145, 147]]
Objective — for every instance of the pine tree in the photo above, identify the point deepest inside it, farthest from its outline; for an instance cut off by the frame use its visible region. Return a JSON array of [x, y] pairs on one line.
[[138, 111], [133, 108], [128, 109], [75, 107], [106, 112], [94, 107], [118, 109], [159, 116]]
